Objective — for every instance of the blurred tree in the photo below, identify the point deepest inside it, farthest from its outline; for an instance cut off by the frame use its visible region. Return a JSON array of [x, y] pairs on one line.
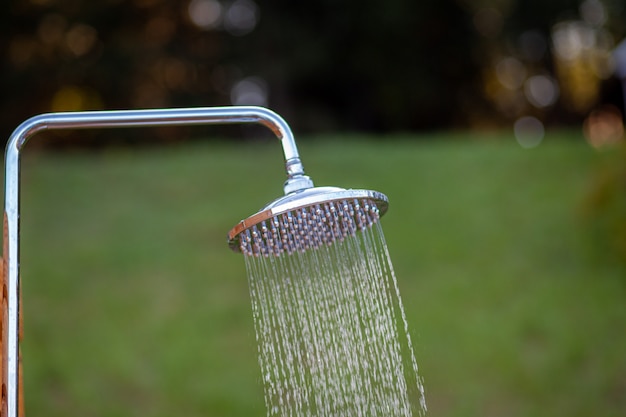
[[398, 65], [348, 65], [70, 55]]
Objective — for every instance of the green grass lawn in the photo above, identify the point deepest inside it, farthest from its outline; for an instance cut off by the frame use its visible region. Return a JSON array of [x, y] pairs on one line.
[[135, 306]]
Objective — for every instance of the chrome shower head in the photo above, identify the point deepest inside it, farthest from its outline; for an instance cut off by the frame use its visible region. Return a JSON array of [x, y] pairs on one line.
[[307, 219], [306, 216]]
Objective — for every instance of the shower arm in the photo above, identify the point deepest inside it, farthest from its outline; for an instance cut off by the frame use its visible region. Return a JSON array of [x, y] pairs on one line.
[[296, 181]]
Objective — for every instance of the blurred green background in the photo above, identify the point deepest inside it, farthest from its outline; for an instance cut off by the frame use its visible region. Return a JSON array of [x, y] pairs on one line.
[[496, 128], [514, 293]]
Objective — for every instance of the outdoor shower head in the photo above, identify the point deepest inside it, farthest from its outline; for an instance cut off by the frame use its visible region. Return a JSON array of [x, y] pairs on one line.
[[306, 219]]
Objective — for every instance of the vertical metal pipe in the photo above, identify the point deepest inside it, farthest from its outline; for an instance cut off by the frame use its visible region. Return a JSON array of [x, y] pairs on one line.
[[296, 180]]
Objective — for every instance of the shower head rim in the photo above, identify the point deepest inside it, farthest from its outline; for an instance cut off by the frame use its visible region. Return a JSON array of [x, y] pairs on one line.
[[305, 198]]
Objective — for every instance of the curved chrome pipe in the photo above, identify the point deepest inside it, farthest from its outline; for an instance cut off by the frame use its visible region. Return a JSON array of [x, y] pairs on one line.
[[296, 181]]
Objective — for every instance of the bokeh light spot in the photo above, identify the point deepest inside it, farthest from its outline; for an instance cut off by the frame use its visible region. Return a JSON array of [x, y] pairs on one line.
[[73, 98], [529, 131], [205, 14], [604, 127], [160, 29], [174, 73], [570, 39], [511, 73], [241, 17], [21, 51], [593, 12], [80, 39], [148, 94], [619, 56], [251, 91], [52, 28], [541, 91]]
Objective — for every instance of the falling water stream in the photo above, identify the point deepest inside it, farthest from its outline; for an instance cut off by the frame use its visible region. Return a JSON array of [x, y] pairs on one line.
[[332, 333]]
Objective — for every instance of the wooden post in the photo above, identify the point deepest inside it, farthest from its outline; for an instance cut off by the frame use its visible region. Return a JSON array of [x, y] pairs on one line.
[[4, 327]]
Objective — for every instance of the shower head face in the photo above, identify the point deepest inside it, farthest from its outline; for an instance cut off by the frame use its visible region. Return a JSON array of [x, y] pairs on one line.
[[306, 220]]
